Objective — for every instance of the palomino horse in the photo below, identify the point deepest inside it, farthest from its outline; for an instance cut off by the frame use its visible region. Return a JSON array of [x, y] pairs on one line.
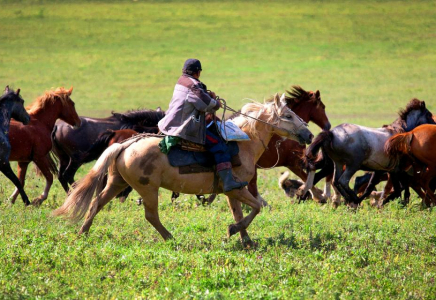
[[33, 143], [418, 144], [288, 153], [138, 162], [71, 146], [353, 147], [11, 106]]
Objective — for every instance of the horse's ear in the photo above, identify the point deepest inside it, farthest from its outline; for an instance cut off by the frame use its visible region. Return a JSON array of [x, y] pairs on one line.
[[6, 89], [317, 94], [70, 90], [18, 92], [283, 99], [158, 109], [422, 104]]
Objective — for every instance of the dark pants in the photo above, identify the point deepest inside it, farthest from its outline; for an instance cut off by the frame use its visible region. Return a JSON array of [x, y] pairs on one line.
[[217, 146]]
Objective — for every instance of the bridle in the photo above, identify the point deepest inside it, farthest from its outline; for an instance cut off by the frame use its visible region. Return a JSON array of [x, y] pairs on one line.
[[280, 119]]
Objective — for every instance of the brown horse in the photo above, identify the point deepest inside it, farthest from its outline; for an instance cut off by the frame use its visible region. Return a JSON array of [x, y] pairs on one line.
[[418, 144], [33, 141], [138, 162]]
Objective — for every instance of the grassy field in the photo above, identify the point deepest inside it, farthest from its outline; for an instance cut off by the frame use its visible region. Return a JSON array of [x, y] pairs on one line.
[[368, 58]]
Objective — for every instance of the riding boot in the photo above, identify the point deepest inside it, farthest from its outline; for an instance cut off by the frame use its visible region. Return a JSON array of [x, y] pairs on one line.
[[224, 171]]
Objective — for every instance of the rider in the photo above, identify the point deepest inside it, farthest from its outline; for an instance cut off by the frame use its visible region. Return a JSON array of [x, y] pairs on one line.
[[186, 118]]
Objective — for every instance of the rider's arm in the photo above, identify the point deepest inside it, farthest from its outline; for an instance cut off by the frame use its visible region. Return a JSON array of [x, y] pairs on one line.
[[203, 101]]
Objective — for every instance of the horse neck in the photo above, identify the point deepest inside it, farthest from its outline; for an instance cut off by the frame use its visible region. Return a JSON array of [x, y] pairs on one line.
[[5, 117], [258, 143], [48, 115], [303, 111]]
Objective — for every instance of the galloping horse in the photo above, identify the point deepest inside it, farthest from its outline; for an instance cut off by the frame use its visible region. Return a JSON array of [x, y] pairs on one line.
[[70, 146], [418, 144], [353, 147], [138, 162], [11, 106], [33, 143], [288, 153]]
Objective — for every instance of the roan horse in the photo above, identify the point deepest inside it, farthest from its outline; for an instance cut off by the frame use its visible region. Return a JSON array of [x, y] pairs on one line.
[[11, 106], [33, 142], [287, 153], [353, 147], [70, 146], [418, 144], [138, 162]]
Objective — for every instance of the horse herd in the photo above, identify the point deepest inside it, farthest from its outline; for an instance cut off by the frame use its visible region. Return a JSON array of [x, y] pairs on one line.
[[51, 131]]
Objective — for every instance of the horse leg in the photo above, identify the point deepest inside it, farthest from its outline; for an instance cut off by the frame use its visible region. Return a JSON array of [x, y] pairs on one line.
[[344, 182], [112, 188], [235, 207], [373, 181], [252, 188], [243, 196], [71, 170], [63, 165], [6, 169], [21, 171], [339, 170], [394, 180], [150, 201], [44, 166]]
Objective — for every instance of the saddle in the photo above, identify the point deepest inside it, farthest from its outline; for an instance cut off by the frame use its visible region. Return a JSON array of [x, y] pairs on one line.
[[193, 158]]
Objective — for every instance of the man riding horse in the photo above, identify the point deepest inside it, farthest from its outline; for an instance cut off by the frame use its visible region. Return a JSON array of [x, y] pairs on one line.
[[186, 119]]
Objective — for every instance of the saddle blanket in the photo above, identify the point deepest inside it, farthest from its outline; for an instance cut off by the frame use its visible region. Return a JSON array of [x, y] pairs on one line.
[[197, 162]]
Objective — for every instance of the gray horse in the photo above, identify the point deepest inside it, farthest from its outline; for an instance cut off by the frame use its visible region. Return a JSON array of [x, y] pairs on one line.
[[354, 147]]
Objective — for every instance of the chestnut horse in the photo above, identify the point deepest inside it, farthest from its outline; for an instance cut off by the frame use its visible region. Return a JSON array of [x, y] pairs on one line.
[[33, 141], [418, 144], [11, 106], [138, 162]]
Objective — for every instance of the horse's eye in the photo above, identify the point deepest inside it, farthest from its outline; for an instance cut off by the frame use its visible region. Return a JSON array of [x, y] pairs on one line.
[[289, 116]]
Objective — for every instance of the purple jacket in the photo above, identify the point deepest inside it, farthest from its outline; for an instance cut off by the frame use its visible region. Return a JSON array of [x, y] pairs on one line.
[[185, 117]]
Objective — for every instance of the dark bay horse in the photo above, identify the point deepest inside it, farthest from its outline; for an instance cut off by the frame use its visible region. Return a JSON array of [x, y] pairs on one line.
[[11, 106], [33, 141], [419, 146], [70, 146], [138, 162], [353, 147]]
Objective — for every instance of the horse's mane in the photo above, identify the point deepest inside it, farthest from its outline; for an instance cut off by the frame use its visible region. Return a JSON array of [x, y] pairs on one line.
[[254, 109], [140, 117], [49, 97], [399, 124], [413, 104], [297, 95]]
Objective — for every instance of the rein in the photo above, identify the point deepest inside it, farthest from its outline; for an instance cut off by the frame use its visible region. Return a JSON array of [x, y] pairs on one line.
[[277, 145], [262, 121]]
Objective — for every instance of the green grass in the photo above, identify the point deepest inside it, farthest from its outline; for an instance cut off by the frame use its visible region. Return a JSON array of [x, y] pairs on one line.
[[368, 58]]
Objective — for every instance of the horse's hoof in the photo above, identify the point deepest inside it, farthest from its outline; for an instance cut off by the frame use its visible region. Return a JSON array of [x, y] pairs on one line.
[[139, 201], [249, 244], [37, 202], [232, 229]]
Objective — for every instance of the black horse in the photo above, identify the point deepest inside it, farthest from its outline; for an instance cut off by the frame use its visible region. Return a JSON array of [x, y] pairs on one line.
[[11, 106], [71, 145]]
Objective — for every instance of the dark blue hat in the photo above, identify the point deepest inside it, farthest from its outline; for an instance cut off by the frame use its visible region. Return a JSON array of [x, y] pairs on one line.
[[192, 64]]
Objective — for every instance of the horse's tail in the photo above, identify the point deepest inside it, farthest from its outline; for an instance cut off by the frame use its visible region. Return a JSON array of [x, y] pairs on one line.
[[98, 147], [398, 145], [322, 140], [79, 198]]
